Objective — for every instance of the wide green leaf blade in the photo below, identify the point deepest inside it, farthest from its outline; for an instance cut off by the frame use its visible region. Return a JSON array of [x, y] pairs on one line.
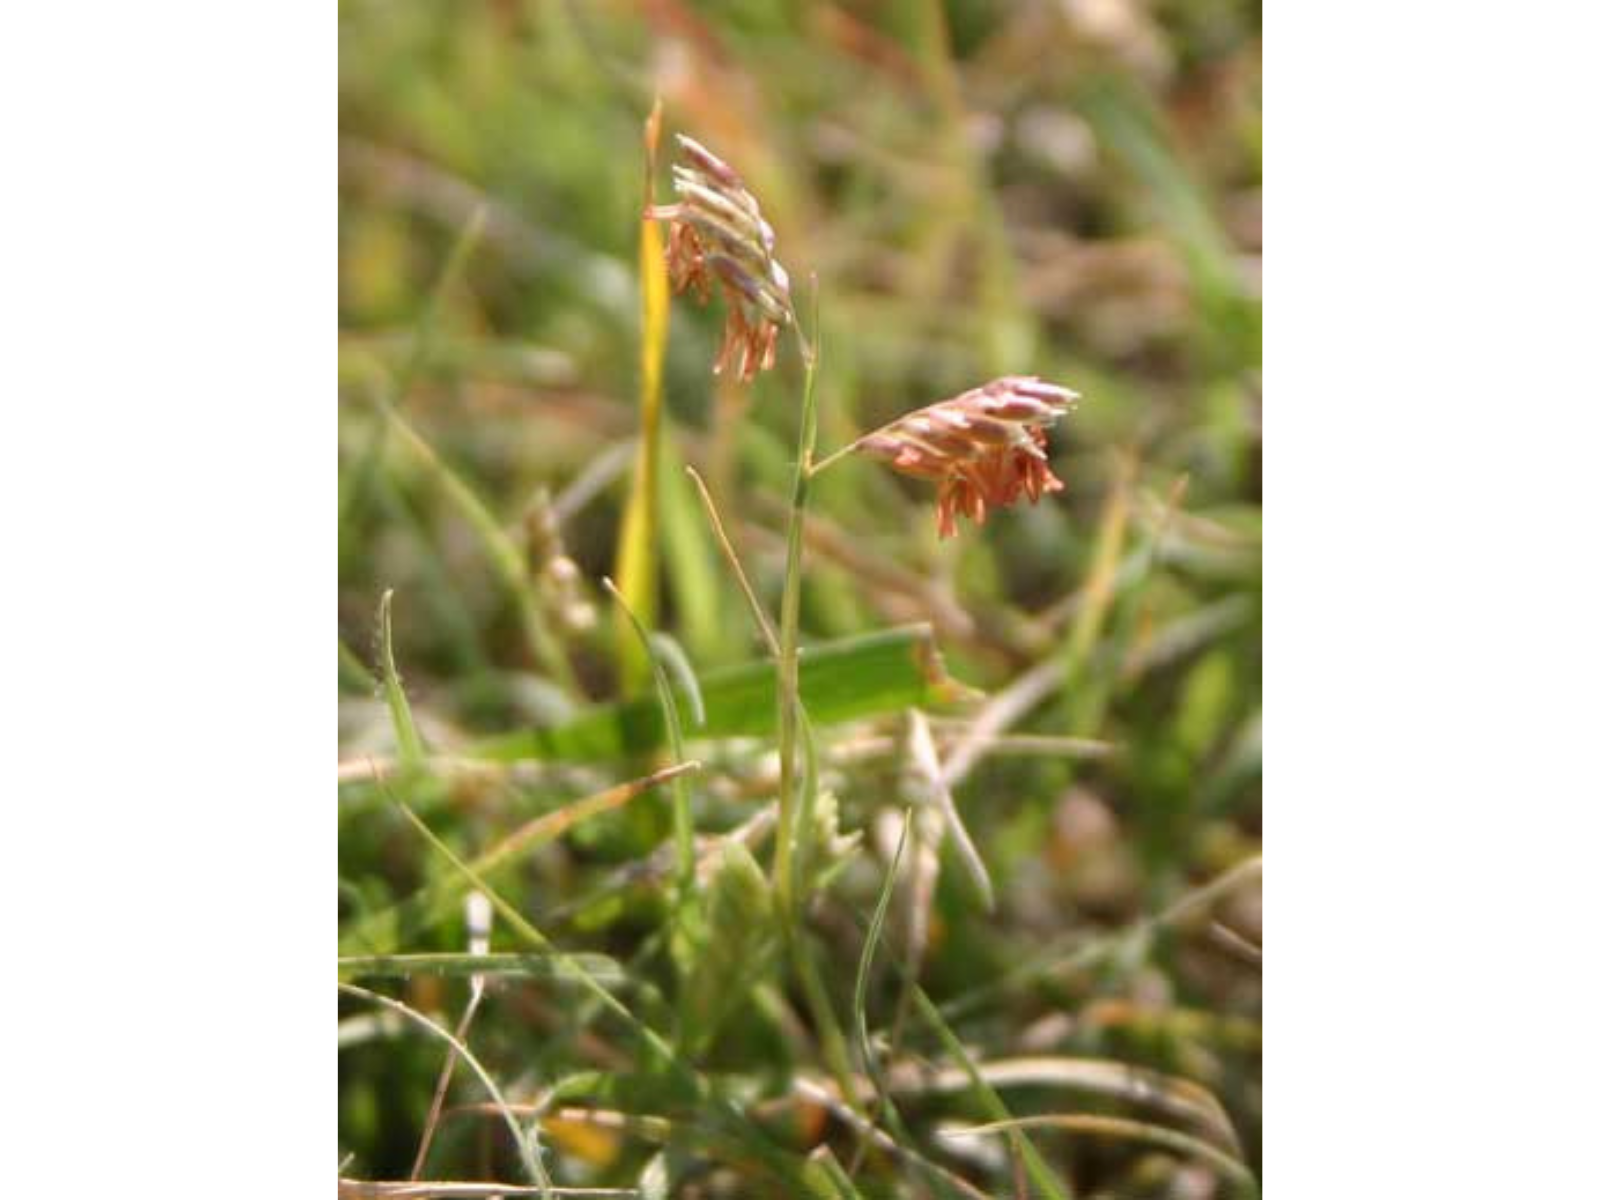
[[887, 671]]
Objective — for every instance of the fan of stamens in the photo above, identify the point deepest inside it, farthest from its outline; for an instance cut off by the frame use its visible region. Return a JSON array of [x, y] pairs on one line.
[[718, 240], [985, 448]]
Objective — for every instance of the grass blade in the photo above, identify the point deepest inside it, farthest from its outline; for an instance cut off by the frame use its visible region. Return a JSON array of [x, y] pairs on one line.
[[380, 932], [682, 817], [858, 1007], [406, 737], [1123, 1127], [832, 1183], [636, 549], [422, 340], [718, 1115], [527, 1143], [925, 755], [757, 613], [693, 582], [1038, 1170], [528, 966], [353, 673], [504, 556], [665, 650], [888, 671]]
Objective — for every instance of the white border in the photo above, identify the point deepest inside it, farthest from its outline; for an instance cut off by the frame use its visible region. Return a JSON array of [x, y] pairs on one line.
[[1432, 600], [168, 488], [167, 276]]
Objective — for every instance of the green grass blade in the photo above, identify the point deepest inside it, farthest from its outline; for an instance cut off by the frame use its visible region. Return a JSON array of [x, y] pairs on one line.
[[1038, 1170], [719, 1117], [637, 565], [869, 1061], [527, 1142], [354, 676], [682, 817], [527, 966], [408, 741], [380, 933], [504, 556], [664, 649], [693, 582], [829, 1178], [888, 671]]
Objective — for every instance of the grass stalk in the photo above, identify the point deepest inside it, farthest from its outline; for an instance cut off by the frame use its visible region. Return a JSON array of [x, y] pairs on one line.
[[789, 638], [757, 613]]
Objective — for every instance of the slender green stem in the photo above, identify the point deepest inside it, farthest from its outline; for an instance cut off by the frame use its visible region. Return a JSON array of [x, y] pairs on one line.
[[869, 1060], [789, 624], [756, 611], [789, 647], [793, 811]]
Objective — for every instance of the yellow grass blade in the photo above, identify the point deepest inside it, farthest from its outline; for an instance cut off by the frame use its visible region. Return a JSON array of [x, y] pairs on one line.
[[637, 564]]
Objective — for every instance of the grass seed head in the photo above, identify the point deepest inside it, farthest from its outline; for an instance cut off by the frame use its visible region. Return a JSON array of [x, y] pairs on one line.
[[719, 241], [985, 448]]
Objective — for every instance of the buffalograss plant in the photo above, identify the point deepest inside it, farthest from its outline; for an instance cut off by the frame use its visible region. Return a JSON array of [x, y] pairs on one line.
[[726, 959]]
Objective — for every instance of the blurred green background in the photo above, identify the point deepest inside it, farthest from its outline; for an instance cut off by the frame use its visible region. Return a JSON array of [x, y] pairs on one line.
[[1066, 189]]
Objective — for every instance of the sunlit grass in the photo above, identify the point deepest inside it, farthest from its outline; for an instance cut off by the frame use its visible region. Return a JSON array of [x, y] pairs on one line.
[[840, 860]]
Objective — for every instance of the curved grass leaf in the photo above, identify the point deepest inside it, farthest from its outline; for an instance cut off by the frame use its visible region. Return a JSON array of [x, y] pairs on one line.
[[406, 737]]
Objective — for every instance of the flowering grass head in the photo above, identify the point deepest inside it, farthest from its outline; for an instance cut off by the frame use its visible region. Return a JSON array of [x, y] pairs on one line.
[[719, 241], [985, 448]]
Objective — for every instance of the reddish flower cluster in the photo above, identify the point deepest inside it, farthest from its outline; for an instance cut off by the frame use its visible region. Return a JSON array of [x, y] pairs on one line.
[[985, 448], [719, 240]]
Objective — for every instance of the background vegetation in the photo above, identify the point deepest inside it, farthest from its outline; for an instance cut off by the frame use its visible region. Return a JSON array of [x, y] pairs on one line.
[[1064, 189]]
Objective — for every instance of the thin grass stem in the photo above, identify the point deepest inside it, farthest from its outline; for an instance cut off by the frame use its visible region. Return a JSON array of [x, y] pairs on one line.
[[869, 1061], [431, 1123], [526, 1141], [756, 611], [789, 637]]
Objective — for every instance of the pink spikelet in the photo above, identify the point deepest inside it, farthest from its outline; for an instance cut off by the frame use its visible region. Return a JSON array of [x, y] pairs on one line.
[[719, 241], [985, 448]]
